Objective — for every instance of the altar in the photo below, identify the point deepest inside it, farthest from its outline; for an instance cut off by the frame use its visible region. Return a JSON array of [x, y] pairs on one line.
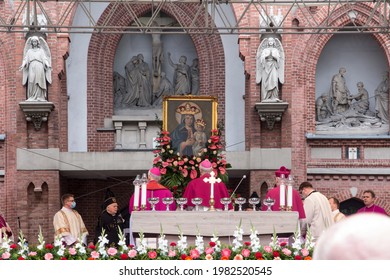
[[207, 223]]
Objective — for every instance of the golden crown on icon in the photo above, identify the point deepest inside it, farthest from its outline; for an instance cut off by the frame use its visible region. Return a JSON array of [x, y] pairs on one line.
[[187, 109], [200, 122]]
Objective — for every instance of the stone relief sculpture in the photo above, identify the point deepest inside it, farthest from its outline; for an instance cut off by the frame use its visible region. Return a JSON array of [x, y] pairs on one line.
[[132, 79], [382, 99], [138, 83], [36, 67], [362, 103], [339, 92], [165, 89], [119, 89], [144, 83], [195, 76], [270, 68], [182, 75], [347, 111], [143, 88], [323, 108], [158, 58]]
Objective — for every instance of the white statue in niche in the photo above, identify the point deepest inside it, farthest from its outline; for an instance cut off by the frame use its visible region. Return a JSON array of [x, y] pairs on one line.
[[270, 68], [36, 67]]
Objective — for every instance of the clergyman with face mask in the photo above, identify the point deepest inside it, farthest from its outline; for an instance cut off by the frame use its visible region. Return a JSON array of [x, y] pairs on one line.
[[68, 223]]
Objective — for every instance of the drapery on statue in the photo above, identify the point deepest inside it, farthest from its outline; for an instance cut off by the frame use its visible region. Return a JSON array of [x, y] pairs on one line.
[[182, 75], [270, 68], [323, 108], [165, 89], [382, 99], [195, 76], [158, 58], [36, 67], [340, 92]]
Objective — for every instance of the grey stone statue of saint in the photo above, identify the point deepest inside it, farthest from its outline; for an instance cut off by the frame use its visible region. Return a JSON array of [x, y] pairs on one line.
[[138, 83], [119, 89], [36, 68], [270, 68], [195, 77], [382, 99], [158, 58], [362, 100], [182, 75], [339, 92], [323, 108], [166, 89]]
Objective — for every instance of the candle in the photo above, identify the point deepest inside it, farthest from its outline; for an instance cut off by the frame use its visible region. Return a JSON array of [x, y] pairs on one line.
[[143, 182], [212, 190], [282, 195], [136, 196], [289, 196], [143, 194]]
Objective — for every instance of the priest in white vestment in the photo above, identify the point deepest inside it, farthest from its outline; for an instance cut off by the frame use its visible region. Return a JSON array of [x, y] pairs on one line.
[[68, 223]]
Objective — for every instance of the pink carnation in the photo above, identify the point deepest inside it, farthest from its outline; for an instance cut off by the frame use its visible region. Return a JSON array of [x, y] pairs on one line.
[[246, 252], [152, 254], [95, 255], [132, 253], [305, 252], [194, 254], [286, 251], [268, 249], [5, 255], [112, 251], [209, 250], [172, 253], [163, 171], [72, 251], [48, 256], [226, 252], [32, 254]]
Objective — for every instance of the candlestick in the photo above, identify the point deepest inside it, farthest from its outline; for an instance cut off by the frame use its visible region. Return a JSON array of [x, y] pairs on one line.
[[290, 183], [289, 196], [143, 190], [136, 183], [212, 204], [282, 196]]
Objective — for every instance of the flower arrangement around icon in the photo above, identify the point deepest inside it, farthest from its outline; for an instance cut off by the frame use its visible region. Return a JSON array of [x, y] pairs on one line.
[[240, 249], [177, 170]]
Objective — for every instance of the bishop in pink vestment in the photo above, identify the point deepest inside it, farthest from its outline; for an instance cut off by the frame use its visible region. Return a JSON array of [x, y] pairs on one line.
[[154, 189], [199, 188], [297, 204]]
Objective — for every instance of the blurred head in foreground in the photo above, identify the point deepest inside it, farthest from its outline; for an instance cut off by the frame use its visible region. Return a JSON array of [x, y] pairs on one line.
[[362, 236]]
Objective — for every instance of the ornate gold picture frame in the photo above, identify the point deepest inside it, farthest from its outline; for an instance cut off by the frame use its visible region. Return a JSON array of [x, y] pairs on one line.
[[200, 111]]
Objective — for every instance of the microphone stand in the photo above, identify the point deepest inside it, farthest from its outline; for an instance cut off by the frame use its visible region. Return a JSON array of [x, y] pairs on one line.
[[243, 177]]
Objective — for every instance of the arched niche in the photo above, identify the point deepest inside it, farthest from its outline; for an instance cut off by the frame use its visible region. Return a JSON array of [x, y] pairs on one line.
[[361, 55], [350, 206], [131, 45]]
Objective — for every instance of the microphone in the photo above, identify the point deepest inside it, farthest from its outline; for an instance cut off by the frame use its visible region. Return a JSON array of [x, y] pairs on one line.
[[243, 177]]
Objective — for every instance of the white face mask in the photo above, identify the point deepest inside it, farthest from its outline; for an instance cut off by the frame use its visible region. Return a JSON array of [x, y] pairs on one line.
[[73, 205]]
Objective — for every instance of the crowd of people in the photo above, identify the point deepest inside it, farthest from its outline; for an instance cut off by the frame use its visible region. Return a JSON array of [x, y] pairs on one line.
[[334, 232]]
